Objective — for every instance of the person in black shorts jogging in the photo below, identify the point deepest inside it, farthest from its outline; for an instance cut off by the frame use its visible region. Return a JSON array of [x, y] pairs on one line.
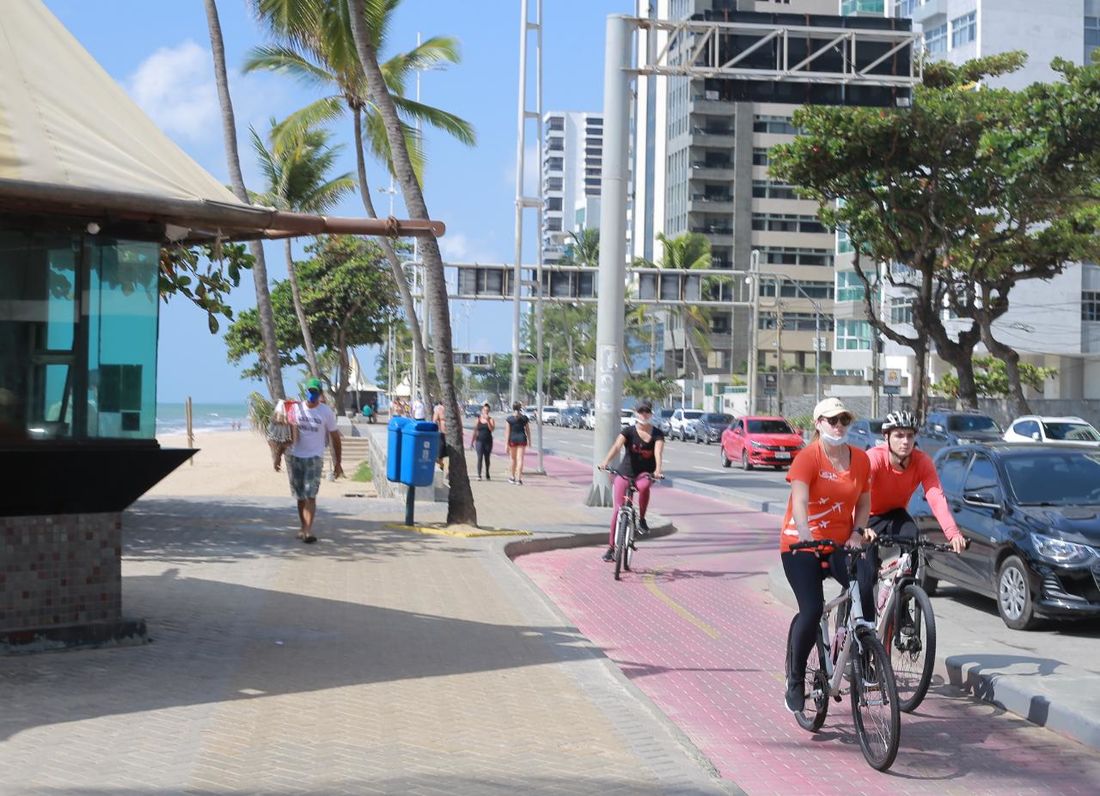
[[519, 437], [643, 446], [482, 439]]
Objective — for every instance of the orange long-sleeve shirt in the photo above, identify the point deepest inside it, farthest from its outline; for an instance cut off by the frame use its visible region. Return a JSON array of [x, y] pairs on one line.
[[892, 488]]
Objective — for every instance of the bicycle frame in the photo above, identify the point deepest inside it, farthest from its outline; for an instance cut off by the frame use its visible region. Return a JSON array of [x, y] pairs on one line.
[[836, 662], [893, 577]]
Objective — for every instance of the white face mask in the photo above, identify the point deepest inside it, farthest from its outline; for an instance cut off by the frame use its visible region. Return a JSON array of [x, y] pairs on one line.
[[836, 441]]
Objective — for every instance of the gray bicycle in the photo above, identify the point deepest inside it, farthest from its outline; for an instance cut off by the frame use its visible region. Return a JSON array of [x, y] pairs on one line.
[[848, 650], [626, 526]]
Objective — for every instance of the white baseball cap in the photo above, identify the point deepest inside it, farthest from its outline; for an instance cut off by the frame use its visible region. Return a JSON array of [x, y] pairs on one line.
[[831, 407]]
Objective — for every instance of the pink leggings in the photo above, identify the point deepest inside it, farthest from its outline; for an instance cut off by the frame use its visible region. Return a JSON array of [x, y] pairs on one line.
[[641, 500]]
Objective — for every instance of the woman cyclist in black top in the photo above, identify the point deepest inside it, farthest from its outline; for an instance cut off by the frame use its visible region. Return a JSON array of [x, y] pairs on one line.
[[644, 445], [482, 439]]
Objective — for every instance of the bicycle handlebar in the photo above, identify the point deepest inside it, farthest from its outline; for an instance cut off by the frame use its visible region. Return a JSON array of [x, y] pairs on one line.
[[816, 544], [913, 544], [613, 471]]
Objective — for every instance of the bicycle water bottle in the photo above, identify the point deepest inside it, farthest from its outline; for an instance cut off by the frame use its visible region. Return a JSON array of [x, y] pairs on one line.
[[838, 641], [882, 595]]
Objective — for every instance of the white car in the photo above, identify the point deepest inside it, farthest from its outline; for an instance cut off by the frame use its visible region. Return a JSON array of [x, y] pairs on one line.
[[1052, 430], [588, 420], [682, 423], [550, 415], [627, 418]]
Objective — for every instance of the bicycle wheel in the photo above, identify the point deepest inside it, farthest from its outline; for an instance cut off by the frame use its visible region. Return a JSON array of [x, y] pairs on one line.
[[817, 685], [620, 542], [875, 709], [628, 549], [910, 635]]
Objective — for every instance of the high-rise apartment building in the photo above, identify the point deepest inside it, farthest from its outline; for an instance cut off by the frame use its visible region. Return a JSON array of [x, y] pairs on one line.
[[701, 165], [571, 165], [1056, 323]]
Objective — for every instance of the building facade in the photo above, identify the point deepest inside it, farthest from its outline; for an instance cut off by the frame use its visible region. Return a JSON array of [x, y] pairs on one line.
[[701, 165], [1054, 323], [571, 165]]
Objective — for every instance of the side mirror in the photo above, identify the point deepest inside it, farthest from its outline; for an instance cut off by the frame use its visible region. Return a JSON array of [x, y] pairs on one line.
[[1035, 436], [938, 428], [985, 498]]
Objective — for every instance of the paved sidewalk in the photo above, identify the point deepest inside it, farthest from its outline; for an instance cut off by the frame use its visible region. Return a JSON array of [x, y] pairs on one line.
[[376, 661]]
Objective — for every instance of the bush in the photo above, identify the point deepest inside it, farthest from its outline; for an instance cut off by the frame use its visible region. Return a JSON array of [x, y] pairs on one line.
[[362, 473]]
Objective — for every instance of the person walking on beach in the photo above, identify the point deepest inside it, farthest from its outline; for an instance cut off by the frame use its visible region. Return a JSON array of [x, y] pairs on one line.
[[518, 440], [481, 440], [312, 422]]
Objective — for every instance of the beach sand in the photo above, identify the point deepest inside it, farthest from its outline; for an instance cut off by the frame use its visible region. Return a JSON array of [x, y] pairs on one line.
[[234, 463]]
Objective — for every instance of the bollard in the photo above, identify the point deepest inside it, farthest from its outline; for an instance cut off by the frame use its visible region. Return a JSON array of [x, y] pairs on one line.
[[410, 501]]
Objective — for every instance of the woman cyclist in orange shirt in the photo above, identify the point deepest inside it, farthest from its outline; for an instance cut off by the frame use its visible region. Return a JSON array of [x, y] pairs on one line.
[[830, 499]]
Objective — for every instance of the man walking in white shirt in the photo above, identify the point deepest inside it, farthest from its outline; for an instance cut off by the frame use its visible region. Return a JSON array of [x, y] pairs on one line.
[[311, 422]]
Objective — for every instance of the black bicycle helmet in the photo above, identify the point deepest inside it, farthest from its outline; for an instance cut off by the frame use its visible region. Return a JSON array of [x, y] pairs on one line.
[[900, 419]]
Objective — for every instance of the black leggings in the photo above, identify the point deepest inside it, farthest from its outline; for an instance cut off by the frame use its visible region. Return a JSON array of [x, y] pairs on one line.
[[806, 572], [483, 450], [896, 522]]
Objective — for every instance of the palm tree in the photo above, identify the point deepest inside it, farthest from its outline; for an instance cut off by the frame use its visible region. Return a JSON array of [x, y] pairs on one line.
[[259, 268], [296, 169], [367, 27], [315, 45], [688, 251]]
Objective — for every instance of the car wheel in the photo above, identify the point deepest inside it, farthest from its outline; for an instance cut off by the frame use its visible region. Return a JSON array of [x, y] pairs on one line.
[[1014, 601], [745, 463], [697, 440], [725, 459]]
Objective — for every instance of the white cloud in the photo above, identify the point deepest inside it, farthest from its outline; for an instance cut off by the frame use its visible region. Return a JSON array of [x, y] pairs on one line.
[[458, 248], [175, 86]]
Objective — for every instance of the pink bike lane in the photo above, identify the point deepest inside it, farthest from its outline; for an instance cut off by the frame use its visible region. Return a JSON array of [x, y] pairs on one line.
[[694, 627]]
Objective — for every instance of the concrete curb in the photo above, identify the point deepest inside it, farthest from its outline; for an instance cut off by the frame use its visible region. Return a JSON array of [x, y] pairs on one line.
[[541, 542], [1021, 694]]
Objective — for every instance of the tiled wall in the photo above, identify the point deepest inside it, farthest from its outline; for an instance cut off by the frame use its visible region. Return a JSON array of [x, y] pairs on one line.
[[59, 570]]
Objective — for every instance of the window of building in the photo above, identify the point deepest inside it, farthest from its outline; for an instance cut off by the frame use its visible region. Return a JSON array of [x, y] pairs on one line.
[[797, 321], [964, 29], [853, 335], [1090, 305], [1092, 37], [901, 310], [849, 7], [778, 125], [784, 255], [778, 222], [816, 290], [849, 287], [935, 39], [716, 359], [759, 156], [765, 189]]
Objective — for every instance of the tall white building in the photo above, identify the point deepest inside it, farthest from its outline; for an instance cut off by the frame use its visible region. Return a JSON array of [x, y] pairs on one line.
[[701, 165], [571, 165], [1056, 323]]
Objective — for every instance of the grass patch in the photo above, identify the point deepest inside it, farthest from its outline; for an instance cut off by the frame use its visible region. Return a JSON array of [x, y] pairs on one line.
[[363, 473]]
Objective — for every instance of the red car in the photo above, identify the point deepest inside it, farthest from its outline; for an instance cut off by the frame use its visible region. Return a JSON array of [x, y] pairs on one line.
[[760, 442]]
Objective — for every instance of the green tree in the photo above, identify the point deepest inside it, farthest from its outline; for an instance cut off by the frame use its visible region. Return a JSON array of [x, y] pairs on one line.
[[991, 378], [496, 378], [966, 190], [296, 170], [688, 252], [266, 315], [204, 275], [348, 297], [314, 43]]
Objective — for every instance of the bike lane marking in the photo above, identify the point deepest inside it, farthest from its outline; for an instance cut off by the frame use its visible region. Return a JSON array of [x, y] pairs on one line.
[[725, 691]]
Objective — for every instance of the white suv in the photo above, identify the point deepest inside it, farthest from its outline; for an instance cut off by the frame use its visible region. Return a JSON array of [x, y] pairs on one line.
[[1052, 430], [550, 415], [682, 423]]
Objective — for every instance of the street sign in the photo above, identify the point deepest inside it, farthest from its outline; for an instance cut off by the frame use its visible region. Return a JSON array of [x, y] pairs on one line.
[[771, 380], [891, 381]]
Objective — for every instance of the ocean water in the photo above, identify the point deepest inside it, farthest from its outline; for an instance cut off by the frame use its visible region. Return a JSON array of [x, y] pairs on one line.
[[204, 417]]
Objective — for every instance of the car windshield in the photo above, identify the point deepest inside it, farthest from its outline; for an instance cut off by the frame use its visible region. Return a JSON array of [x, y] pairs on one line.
[[972, 423], [769, 427], [692, 414], [1065, 478], [1071, 432], [875, 426], [718, 419], [665, 414]]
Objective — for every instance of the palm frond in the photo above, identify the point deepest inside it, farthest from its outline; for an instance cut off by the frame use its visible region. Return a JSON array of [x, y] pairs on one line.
[[285, 59], [448, 122]]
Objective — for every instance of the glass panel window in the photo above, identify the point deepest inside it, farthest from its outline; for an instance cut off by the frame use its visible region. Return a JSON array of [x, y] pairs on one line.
[[901, 310], [935, 40], [964, 29], [849, 287], [1090, 305], [853, 335]]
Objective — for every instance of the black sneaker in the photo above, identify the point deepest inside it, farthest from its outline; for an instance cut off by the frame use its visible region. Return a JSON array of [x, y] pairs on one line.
[[643, 527], [609, 555], [795, 698]]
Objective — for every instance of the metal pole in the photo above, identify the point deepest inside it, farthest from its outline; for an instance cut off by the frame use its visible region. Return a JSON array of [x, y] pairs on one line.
[[817, 354], [539, 215], [609, 315], [521, 142], [754, 329], [778, 347]]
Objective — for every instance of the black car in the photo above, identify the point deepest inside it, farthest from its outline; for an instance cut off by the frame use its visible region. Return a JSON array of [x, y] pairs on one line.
[[943, 428], [1032, 516], [866, 434], [710, 426]]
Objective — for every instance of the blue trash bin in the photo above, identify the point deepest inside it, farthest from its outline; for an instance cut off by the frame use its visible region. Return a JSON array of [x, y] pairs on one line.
[[419, 450], [393, 447]]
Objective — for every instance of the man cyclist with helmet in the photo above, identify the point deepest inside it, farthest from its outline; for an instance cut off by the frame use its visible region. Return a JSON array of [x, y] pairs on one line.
[[896, 470]]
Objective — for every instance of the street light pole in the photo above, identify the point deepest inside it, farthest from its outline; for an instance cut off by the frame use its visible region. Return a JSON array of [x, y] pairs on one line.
[[754, 319]]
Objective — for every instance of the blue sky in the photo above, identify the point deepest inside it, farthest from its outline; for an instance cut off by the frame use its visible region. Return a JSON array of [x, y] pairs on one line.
[[159, 51]]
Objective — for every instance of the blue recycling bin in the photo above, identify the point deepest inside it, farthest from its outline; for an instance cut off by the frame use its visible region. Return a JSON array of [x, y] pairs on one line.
[[419, 451], [393, 446]]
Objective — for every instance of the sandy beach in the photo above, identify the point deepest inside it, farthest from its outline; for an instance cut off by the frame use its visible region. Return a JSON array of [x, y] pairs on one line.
[[232, 463]]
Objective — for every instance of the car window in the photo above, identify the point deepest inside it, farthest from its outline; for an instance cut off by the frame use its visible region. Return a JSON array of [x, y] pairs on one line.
[[666, 414], [693, 414], [1070, 432], [1064, 478], [716, 418], [769, 427], [952, 469], [875, 426], [971, 423], [1026, 428], [983, 477]]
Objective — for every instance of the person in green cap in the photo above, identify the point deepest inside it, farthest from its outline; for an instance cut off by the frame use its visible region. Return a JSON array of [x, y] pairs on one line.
[[312, 421]]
